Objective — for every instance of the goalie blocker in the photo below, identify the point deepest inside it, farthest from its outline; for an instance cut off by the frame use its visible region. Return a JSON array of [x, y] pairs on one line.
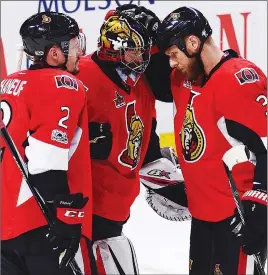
[[165, 189]]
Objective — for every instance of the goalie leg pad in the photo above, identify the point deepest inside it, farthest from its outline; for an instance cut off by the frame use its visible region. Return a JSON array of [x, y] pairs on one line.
[[115, 256]]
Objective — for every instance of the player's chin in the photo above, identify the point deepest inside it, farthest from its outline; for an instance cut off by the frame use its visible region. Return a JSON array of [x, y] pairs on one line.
[[192, 76]]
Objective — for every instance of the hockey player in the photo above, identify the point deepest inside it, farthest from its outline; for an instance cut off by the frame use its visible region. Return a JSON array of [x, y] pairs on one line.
[[44, 109], [121, 111], [120, 114], [220, 102]]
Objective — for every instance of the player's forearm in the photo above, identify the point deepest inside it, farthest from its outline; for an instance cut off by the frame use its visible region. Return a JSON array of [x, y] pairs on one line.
[[50, 183], [47, 166], [158, 76], [153, 151]]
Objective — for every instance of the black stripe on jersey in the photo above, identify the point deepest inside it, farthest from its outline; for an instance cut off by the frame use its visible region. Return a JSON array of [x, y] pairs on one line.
[[2, 150], [50, 183], [254, 143]]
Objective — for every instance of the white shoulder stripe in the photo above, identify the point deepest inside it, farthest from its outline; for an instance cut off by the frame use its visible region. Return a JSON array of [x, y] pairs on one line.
[[75, 141], [43, 157], [264, 141], [222, 127]]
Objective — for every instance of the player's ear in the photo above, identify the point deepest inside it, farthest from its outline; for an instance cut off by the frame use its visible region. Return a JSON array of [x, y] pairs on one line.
[[192, 44], [54, 55]]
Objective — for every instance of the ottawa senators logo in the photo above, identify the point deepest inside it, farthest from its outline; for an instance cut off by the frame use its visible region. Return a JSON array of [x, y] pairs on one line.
[[217, 270], [65, 81], [174, 16], [116, 33], [192, 135], [130, 156], [246, 75], [46, 19]]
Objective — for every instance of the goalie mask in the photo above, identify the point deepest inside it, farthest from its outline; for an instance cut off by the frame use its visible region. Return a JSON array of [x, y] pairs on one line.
[[125, 41]]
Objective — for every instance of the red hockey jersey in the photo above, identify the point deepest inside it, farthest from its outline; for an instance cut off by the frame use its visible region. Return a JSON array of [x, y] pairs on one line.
[[51, 104], [234, 92], [116, 180]]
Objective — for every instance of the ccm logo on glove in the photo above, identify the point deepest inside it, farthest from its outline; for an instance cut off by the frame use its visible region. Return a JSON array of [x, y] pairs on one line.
[[70, 216]]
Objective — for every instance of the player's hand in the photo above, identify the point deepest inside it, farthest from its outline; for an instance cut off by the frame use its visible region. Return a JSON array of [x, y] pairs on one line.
[[144, 16], [100, 139], [253, 235], [65, 232]]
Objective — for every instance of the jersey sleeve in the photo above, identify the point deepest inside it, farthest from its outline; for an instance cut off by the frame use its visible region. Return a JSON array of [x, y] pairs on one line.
[[241, 102], [55, 110], [153, 151], [158, 76]]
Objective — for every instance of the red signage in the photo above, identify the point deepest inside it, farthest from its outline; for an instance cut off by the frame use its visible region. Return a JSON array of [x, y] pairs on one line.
[[227, 26]]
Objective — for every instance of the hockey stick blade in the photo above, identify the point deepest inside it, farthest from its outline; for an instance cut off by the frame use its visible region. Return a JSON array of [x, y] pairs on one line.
[[40, 201], [236, 155]]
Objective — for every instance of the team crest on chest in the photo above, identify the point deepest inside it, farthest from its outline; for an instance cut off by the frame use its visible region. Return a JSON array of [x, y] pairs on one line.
[[192, 135], [119, 100], [130, 156]]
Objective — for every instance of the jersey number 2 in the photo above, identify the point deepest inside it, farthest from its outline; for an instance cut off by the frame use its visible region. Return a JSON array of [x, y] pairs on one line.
[[62, 120]]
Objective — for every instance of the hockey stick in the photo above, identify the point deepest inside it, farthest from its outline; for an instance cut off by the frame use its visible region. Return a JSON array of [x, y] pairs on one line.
[[40, 201], [19, 56], [235, 155]]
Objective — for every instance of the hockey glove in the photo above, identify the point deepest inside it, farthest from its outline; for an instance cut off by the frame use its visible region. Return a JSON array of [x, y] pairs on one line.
[[65, 232], [165, 189], [253, 234], [100, 139], [144, 16]]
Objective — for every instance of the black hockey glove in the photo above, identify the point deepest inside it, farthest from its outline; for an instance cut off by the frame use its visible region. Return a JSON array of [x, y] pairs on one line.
[[65, 232], [144, 16], [253, 234], [100, 139]]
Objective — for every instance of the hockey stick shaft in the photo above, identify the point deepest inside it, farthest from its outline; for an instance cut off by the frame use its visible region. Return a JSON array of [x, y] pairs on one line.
[[19, 56], [232, 157], [40, 201]]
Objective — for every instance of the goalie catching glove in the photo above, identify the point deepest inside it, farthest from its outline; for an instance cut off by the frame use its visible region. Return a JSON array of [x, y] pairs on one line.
[[165, 189]]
